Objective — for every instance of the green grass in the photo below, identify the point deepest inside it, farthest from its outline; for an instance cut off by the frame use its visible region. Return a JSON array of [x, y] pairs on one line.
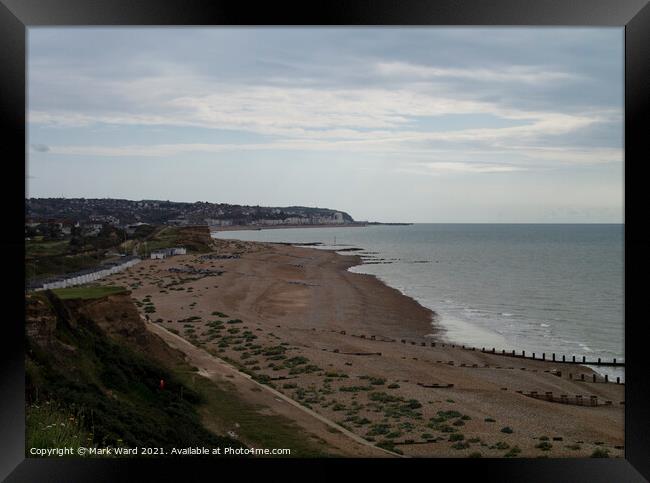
[[50, 425], [119, 388], [87, 293], [35, 248], [220, 403]]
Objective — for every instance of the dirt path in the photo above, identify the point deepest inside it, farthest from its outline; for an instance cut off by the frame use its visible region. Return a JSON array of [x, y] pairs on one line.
[[216, 369]]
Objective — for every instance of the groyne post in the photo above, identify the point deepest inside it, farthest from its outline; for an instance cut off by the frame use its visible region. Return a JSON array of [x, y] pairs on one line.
[[606, 378], [543, 356], [574, 358], [553, 356], [594, 377], [584, 359], [563, 358]]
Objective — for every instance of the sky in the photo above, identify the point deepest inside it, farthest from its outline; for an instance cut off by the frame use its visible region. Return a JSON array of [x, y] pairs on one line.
[[440, 125]]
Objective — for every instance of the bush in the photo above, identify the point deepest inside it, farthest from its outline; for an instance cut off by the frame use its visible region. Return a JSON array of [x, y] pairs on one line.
[[449, 414], [600, 453], [514, 451], [379, 428], [544, 446], [456, 437], [507, 430]]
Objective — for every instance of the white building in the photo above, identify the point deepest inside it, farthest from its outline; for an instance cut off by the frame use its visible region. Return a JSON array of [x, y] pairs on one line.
[[168, 252]]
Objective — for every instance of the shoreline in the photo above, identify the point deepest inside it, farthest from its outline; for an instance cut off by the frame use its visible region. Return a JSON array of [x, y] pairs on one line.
[[355, 350], [215, 229], [537, 353]]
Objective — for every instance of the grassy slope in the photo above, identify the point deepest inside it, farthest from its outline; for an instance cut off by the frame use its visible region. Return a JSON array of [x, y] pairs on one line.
[[112, 389], [119, 388], [87, 293]]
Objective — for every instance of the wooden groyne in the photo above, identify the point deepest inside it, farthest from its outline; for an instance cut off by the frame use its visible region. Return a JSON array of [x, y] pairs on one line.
[[553, 357]]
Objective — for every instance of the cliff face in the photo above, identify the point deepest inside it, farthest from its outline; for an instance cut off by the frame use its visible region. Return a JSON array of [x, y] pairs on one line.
[[96, 356]]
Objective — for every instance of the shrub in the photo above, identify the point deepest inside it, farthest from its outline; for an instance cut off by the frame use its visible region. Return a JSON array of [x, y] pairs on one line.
[[456, 437], [460, 445], [544, 446], [383, 397], [490, 420], [507, 430], [476, 454], [449, 414], [600, 453], [379, 428], [413, 404], [514, 451]]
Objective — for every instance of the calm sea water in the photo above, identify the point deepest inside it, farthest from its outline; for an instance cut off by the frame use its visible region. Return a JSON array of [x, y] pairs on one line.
[[539, 288]]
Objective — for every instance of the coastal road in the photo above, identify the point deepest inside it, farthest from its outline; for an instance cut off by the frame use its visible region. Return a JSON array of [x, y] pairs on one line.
[[213, 367]]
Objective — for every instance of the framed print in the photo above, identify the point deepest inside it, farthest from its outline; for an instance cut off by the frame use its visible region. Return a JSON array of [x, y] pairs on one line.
[[325, 236]]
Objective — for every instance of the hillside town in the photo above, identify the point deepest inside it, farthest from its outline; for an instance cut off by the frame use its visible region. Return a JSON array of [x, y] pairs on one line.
[[61, 217]]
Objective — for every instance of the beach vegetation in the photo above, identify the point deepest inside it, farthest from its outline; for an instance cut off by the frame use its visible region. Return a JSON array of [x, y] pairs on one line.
[[460, 445], [389, 445], [456, 437], [507, 430], [514, 451], [379, 429], [600, 453], [383, 397], [544, 446]]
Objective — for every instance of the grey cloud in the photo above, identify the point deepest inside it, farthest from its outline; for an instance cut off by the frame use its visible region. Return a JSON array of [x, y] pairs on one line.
[[40, 148]]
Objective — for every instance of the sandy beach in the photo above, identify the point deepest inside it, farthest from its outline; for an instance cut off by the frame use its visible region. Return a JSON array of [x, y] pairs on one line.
[[331, 340]]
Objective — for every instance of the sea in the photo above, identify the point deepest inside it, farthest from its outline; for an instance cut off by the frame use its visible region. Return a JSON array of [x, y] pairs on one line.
[[553, 288]]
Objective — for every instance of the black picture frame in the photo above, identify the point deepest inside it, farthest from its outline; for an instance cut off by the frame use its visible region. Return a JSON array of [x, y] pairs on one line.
[[634, 15]]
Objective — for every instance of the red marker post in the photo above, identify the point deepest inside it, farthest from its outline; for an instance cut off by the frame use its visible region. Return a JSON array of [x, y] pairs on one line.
[[162, 384]]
